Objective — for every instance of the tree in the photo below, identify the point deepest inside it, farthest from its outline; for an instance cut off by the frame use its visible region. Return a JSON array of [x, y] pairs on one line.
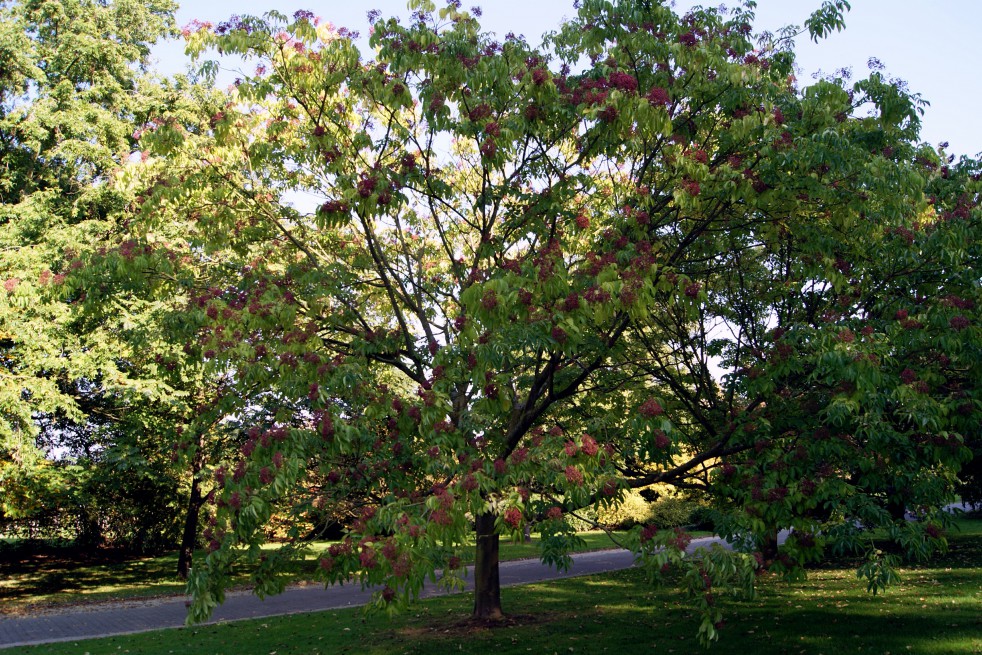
[[507, 303], [82, 421]]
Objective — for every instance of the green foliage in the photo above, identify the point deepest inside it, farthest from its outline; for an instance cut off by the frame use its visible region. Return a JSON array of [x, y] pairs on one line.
[[516, 277], [76, 457], [630, 511], [672, 511], [634, 509], [507, 300]]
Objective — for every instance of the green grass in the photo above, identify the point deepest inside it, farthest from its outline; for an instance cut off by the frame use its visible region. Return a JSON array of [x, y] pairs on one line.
[[935, 610], [52, 579]]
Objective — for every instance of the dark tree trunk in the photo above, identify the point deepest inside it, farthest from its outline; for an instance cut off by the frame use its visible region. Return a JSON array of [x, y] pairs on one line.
[[190, 537], [487, 586], [90, 530], [769, 546], [896, 505]]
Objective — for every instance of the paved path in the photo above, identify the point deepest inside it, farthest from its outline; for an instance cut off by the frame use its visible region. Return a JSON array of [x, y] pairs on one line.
[[124, 617]]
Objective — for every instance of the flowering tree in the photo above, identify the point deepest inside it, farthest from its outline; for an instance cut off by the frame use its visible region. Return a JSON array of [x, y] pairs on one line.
[[509, 300]]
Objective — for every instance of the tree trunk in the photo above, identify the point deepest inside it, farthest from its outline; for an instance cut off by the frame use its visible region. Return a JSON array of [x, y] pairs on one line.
[[487, 586], [768, 545], [190, 537], [896, 504]]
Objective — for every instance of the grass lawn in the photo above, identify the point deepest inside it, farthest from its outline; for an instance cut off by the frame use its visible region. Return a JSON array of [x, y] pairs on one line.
[[935, 610], [52, 578]]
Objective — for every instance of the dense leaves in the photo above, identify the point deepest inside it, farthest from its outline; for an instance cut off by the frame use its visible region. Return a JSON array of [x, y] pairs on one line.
[[475, 285], [75, 460], [518, 282]]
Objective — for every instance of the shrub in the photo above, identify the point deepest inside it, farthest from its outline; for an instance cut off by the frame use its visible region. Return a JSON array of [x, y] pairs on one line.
[[632, 510], [585, 519], [671, 511]]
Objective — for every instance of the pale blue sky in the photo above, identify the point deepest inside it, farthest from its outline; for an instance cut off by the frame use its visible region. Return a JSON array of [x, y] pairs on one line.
[[932, 44]]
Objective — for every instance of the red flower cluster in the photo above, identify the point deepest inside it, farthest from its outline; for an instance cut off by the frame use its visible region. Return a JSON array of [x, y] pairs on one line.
[[651, 408], [648, 533], [596, 295], [609, 114], [489, 300], [489, 148], [661, 440], [958, 323], [480, 112], [609, 487], [688, 39], [519, 455], [682, 539], [955, 301], [437, 102], [366, 186], [658, 96], [367, 558], [699, 155], [623, 81]]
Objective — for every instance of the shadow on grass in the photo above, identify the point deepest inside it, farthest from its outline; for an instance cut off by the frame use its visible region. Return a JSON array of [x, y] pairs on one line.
[[38, 574]]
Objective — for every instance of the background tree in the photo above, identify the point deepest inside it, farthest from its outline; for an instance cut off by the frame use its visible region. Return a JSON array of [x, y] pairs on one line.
[[516, 280], [82, 425]]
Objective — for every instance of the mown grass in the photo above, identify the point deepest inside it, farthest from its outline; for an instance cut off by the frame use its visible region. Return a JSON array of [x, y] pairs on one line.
[[935, 610], [53, 579]]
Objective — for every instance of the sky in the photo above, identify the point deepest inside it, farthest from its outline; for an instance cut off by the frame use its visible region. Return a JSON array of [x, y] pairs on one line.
[[933, 45]]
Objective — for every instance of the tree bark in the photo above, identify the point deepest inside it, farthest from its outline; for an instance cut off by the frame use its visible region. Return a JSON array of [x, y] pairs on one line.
[[190, 537], [769, 547], [487, 585]]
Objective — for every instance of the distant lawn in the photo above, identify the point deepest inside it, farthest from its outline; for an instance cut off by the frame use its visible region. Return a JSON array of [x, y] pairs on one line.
[[934, 611], [55, 578]]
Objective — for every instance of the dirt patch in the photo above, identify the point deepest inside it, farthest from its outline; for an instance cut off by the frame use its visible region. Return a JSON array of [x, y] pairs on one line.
[[470, 626]]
